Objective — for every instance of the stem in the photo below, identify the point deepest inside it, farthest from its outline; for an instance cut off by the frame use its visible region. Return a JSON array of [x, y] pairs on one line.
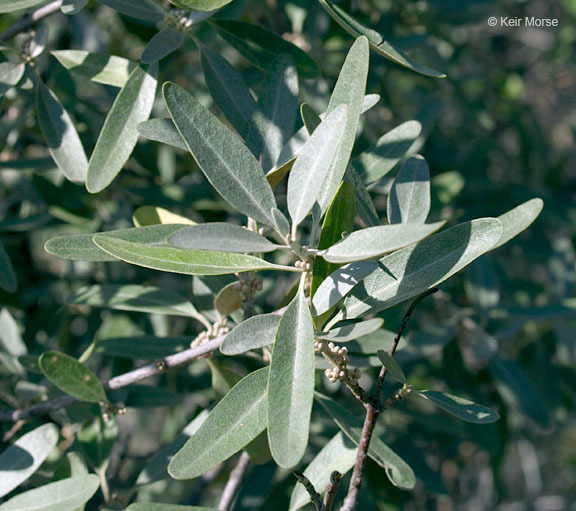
[[234, 482], [315, 497], [332, 490], [25, 22]]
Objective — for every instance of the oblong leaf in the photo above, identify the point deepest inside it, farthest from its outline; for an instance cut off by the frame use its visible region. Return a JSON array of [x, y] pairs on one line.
[[377, 43], [222, 237], [147, 10], [397, 470], [228, 90], [187, 262], [518, 219], [409, 197], [233, 423], [70, 493], [133, 298], [10, 74], [21, 459], [375, 241], [412, 270], [364, 204], [72, 377], [393, 367], [352, 331], [8, 280], [459, 407], [154, 215], [273, 118], [105, 69], [339, 454], [251, 334], [291, 384], [143, 347], [225, 160], [18, 5], [162, 130], [162, 44], [61, 136], [202, 5], [119, 134], [313, 164]]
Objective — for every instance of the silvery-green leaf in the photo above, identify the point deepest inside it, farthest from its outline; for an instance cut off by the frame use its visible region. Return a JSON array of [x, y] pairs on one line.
[[154, 215], [222, 237], [147, 10], [10, 74], [201, 5], [339, 454], [39, 41], [310, 118], [459, 407], [351, 331], [224, 159], [281, 224], [81, 247], [251, 334], [119, 135], [273, 118], [162, 44], [8, 280], [364, 204], [409, 197], [376, 161], [70, 493], [228, 90], [162, 130], [375, 241], [71, 7], [61, 136], [377, 42], [412, 270], [18, 5], [349, 90], [233, 423], [313, 164], [393, 367], [291, 384], [186, 262], [21, 459], [518, 219], [105, 69]]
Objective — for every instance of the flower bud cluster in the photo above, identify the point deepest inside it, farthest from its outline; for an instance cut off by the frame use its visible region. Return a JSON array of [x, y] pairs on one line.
[[338, 356], [244, 286], [203, 337], [304, 265]]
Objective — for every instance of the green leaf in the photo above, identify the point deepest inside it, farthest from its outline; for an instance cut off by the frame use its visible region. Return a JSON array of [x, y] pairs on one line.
[[399, 473], [518, 219], [71, 7], [143, 347], [153, 506], [67, 494], [18, 5], [251, 334], [96, 439], [70, 376], [228, 90], [147, 10], [261, 47], [119, 135], [61, 136], [21, 459], [339, 454], [133, 298], [393, 368], [201, 5], [10, 338], [81, 247], [225, 160], [222, 237], [375, 241], [162, 44], [233, 423], [310, 118], [351, 331], [8, 280], [281, 224], [409, 198], [229, 299], [459, 407], [153, 215], [375, 162], [10, 74], [313, 164], [364, 204], [291, 384], [376, 40], [412, 270], [272, 121], [105, 69], [186, 262], [349, 90], [162, 130], [338, 220]]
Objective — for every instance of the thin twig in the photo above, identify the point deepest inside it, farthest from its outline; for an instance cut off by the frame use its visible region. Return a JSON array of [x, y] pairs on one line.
[[315, 497], [27, 21], [332, 490], [234, 481]]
